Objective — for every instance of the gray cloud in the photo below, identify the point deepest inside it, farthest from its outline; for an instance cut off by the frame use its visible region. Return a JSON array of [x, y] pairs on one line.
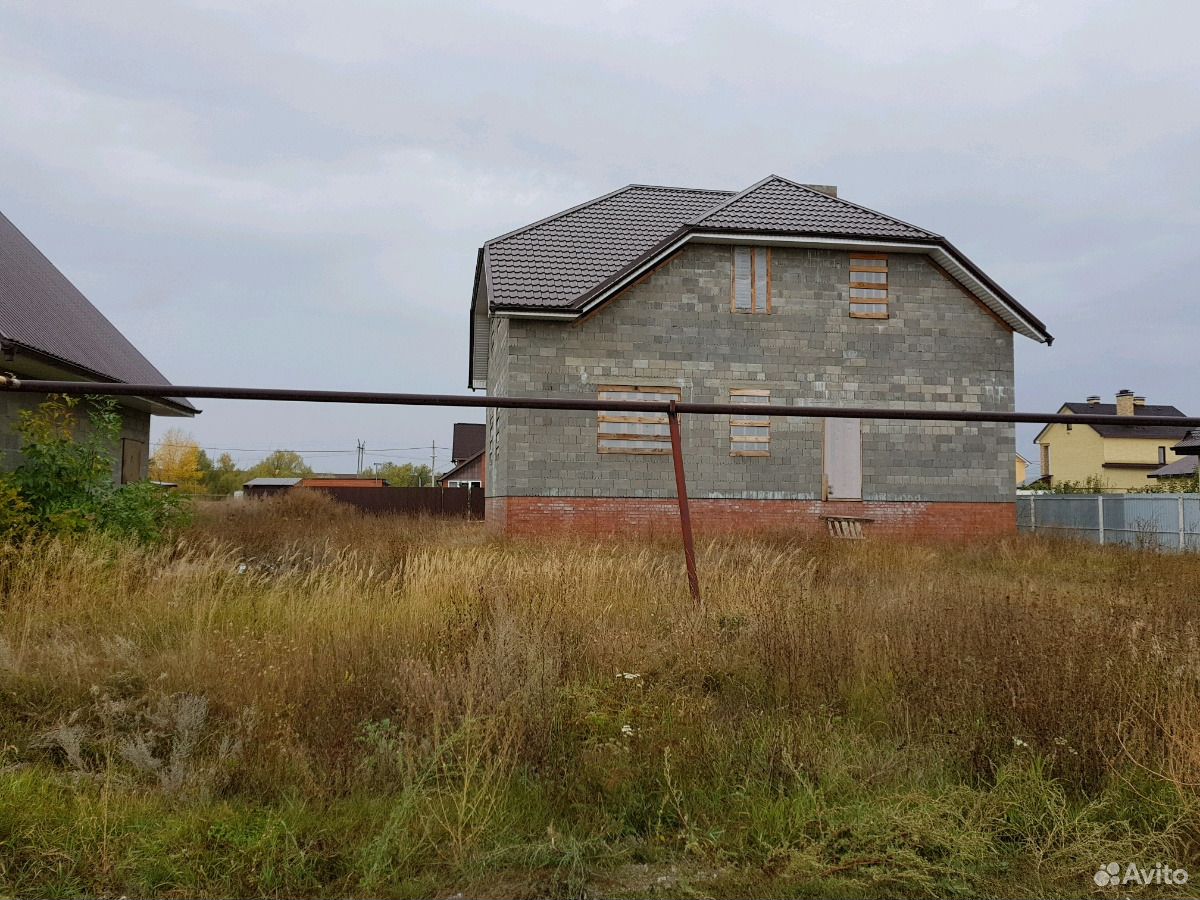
[[293, 193]]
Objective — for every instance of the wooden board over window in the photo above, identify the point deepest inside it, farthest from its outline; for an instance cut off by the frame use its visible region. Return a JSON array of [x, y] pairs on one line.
[[868, 286], [751, 288], [632, 432], [133, 452], [749, 435]]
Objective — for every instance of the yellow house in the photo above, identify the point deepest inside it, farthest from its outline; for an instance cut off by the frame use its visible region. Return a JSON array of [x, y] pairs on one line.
[[1022, 469], [1121, 457]]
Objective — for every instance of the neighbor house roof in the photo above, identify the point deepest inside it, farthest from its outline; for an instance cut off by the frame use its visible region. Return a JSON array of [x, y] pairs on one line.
[[468, 441], [561, 266], [271, 482], [1180, 468], [41, 311], [1126, 431], [465, 464], [1190, 443]]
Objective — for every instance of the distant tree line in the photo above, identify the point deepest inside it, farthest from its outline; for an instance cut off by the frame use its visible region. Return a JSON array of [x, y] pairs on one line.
[[180, 460]]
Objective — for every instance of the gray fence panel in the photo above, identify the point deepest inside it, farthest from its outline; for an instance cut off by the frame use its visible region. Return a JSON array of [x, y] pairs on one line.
[[1191, 523], [1140, 520]]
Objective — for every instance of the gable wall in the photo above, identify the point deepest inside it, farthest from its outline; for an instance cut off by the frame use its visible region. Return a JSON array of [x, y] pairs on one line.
[[939, 349]]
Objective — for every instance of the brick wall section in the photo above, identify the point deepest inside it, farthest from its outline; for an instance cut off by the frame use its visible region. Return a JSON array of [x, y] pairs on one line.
[[636, 516], [938, 350]]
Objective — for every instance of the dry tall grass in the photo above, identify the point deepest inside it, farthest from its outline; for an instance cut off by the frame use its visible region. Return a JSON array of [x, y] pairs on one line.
[[979, 710]]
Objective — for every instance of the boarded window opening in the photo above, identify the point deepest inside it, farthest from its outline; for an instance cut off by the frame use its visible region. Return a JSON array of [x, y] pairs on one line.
[[749, 435], [629, 432], [751, 280], [132, 454], [868, 286]]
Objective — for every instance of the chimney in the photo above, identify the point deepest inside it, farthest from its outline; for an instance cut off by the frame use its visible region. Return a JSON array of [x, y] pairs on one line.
[[1125, 402], [1139, 401], [828, 189], [1094, 400]]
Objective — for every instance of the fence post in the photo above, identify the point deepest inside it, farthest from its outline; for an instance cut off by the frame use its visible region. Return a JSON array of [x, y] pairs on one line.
[[1033, 513], [685, 517], [1100, 507], [1182, 538]]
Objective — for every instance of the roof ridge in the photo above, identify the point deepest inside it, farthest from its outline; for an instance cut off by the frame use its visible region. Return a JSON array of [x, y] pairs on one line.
[[688, 190], [868, 209], [731, 200], [809, 190]]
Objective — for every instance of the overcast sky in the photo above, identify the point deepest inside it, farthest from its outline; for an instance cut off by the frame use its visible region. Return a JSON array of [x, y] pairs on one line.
[[293, 193]]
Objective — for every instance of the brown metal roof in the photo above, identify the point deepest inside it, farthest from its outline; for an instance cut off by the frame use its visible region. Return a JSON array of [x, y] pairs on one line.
[[468, 441], [41, 310]]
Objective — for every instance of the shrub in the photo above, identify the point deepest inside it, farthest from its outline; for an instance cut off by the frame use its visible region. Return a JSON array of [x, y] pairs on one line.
[[64, 484]]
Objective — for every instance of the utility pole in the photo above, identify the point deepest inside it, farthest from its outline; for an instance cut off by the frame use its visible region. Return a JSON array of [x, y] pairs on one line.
[[361, 450], [433, 464]]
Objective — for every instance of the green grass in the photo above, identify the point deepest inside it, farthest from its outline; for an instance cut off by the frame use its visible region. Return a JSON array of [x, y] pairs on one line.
[[259, 711]]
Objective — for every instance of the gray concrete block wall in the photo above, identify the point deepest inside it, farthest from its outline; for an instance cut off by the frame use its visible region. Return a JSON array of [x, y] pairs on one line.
[[938, 350], [135, 425]]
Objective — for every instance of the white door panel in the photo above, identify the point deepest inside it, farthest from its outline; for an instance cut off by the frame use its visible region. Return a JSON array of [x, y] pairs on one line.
[[843, 459]]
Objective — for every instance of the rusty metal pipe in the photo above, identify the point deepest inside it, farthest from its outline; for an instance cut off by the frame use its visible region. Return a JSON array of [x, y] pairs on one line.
[[685, 516], [104, 388]]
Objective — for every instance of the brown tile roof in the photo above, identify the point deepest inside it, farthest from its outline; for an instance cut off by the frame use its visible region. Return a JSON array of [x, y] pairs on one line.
[[778, 205], [42, 311], [561, 262], [553, 262]]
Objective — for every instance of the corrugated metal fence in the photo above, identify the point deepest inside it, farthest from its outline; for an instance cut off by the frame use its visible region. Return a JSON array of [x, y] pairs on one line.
[[1159, 521], [447, 502]]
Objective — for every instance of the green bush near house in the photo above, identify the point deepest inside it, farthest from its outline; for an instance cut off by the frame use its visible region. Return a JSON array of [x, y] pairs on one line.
[[64, 484]]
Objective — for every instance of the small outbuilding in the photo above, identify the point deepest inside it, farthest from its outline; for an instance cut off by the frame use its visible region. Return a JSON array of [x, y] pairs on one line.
[[267, 487]]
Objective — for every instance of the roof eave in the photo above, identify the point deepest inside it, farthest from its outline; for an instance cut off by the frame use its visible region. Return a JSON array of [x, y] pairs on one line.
[[172, 406]]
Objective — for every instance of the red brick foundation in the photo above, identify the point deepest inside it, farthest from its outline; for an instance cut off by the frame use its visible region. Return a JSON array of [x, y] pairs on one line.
[[631, 515]]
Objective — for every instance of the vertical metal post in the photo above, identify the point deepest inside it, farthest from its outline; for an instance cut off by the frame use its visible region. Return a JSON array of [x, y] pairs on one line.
[[1033, 513], [685, 517], [1100, 508], [1182, 523]]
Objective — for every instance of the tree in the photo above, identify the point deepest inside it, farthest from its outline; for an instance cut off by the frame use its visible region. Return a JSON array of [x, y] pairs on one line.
[[406, 475], [280, 464], [224, 477], [179, 460]]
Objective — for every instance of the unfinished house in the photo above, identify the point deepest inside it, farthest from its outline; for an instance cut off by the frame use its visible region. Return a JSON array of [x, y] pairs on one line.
[[782, 293]]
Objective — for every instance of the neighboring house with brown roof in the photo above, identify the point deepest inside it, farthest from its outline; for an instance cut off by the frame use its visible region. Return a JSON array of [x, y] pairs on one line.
[[1120, 457], [1188, 463], [49, 330], [781, 293], [466, 453]]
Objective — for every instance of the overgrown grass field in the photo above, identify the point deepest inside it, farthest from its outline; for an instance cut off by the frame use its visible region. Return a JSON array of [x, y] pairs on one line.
[[298, 700]]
